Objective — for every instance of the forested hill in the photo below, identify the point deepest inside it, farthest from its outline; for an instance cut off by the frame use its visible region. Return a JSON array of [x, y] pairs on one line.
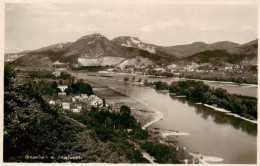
[[34, 131], [97, 50]]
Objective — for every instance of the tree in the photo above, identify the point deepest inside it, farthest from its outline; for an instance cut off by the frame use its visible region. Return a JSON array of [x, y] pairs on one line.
[[125, 110], [140, 79], [145, 81], [159, 85], [133, 78], [54, 85], [83, 88], [9, 74], [220, 93], [104, 102], [126, 79], [69, 90]]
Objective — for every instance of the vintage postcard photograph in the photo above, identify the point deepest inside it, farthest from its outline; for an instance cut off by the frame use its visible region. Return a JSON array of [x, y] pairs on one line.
[[143, 82]]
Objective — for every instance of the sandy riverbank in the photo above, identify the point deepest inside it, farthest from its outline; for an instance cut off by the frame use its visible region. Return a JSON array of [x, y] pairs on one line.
[[144, 113], [229, 113], [206, 159]]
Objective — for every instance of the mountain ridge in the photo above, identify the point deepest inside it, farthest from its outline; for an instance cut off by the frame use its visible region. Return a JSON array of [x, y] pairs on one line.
[[96, 49]]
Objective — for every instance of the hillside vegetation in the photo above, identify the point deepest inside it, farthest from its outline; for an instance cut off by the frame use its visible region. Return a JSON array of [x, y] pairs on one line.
[[34, 131], [97, 48], [217, 57]]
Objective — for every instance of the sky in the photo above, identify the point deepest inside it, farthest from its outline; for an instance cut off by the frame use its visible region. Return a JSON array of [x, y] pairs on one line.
[[30, 26]]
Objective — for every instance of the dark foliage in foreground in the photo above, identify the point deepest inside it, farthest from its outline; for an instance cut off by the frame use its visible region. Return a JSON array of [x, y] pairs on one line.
[[32, 127], [36, 132], [122, 129], [162, 153]]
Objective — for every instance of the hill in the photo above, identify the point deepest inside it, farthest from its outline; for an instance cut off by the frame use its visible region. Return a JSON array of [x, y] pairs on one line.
[[183, 51], [35, 131], [97, 50], [245, 54]]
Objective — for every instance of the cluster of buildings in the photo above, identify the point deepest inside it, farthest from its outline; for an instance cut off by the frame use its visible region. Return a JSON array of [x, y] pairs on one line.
[[75, 103]]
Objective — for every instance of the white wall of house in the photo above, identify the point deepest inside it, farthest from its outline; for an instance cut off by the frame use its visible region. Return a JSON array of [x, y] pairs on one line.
[[62, 87], [65, 105]]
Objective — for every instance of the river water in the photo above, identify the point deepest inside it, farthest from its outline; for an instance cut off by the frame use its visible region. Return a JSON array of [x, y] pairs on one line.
[[211, 133]]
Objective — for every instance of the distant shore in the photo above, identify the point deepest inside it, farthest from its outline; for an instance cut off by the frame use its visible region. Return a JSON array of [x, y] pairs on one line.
[[229, 113]]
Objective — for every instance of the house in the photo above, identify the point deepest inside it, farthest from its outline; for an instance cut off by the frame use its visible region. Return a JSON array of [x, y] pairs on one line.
[[75, 110], [94, 100], [65, 105], [159, 69], [228, 67], [58, 64], [62, 87], [62, 93], [79, 106], [172, 66], [110, 70], [52, 102], [84, 96], [56, 73], [73, 99]]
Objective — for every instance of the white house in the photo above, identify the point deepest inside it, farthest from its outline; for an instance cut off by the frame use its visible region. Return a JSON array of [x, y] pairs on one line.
[[84, 96], [62, 87], [172, 66], [79, 106], [73, 99], [52, 102], [94, 100], [56, 73], [159, 69], [66, 105], [75, 110]]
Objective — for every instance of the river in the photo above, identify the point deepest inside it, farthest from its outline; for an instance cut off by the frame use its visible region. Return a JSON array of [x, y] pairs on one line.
[[234, 88], [211, 133]]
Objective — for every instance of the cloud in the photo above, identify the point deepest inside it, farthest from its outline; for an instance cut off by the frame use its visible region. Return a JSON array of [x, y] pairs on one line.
[[83, 28], [247, 28], [108, 15], [41, 10], [146, 28], [205, 27], [162, 24]]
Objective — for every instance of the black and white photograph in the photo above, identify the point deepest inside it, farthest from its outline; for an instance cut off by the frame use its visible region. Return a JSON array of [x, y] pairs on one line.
[[129, 82]]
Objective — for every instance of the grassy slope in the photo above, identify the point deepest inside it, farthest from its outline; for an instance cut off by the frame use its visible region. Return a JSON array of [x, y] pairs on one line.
[[218, 56]]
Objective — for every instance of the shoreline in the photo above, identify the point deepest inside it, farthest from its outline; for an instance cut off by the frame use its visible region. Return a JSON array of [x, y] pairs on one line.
[[222, 82], [227, 112], [158, 115], [230, 113], [206, 159], [154, 116]]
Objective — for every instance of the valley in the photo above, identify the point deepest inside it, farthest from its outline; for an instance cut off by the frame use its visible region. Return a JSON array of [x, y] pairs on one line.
[[123, 73]]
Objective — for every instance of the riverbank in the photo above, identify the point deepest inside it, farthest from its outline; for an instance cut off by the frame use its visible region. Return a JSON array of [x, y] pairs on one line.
[[177, 112], [156, 115], [222, 82], [229, 113], [144, 113]]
